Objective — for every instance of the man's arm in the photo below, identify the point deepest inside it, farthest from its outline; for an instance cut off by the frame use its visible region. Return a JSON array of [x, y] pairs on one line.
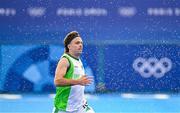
[[61, 69]]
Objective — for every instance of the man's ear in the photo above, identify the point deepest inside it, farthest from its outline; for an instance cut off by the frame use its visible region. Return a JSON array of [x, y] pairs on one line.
[[68, 46]]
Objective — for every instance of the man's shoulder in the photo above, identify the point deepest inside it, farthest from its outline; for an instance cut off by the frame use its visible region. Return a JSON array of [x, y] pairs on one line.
[[64, 59]]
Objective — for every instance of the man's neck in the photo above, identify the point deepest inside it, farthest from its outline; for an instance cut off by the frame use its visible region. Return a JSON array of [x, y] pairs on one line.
[[73, 55]]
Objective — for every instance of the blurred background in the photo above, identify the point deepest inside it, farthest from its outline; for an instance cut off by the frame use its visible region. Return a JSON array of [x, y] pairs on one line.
[[131, 48]]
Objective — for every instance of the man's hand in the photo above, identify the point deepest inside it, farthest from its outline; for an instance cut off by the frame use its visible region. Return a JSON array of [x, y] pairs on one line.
[[85, 80]]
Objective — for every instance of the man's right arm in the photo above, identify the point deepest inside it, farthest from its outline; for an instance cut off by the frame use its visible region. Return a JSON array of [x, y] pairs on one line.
[[61, 70]]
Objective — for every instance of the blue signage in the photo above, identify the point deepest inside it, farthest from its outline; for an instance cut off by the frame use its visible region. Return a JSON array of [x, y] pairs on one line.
[[48, 21]]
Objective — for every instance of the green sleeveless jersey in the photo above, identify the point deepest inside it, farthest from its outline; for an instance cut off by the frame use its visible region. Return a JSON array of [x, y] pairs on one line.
[[70, 98]]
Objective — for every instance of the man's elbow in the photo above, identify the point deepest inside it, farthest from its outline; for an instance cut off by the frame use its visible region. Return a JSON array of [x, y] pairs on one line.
[[57, 82]]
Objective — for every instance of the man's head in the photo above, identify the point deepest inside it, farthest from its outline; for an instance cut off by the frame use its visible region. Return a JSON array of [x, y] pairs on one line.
[[73, 42]]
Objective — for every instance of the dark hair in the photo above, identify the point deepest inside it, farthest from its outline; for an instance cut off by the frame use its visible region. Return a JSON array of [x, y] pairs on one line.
[[69, 37]]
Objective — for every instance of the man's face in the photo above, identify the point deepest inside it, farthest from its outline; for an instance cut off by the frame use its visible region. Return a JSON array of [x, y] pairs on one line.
[[76, 46]]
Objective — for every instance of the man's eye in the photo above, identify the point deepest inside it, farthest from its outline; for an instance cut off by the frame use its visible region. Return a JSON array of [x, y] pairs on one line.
[[78, 43]]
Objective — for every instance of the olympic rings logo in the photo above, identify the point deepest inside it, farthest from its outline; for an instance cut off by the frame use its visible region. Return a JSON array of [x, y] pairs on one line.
[[152, 66]]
